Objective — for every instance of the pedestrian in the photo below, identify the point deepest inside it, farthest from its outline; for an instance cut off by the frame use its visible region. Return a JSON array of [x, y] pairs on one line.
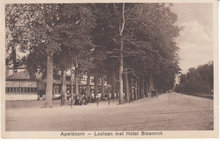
[[108, 98], [62, 99], [132, 97], [97, 100]]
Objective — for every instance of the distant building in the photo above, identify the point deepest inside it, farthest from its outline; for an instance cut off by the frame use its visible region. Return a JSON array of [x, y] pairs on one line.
[[19, 86]]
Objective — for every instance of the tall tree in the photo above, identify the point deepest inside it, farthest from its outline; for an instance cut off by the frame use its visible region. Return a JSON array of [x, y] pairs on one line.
[[121, 29], [47, 28]]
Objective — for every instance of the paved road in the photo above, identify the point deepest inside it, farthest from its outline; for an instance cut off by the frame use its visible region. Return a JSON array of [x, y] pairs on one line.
[[166, 112]]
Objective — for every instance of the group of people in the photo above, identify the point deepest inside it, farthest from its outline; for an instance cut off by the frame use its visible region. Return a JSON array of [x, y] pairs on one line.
[[83, 99]]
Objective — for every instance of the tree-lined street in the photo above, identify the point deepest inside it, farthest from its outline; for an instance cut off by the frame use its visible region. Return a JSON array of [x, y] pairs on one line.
[[170, 111], [113, 66]]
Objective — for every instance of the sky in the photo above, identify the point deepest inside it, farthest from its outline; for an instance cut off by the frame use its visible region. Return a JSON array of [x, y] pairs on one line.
[[195, 40]]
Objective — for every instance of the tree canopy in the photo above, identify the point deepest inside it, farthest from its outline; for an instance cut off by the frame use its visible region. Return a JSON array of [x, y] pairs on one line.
[[98, 38], [197, 80]]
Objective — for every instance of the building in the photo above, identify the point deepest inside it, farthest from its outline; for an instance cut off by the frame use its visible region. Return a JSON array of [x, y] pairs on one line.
[[19, 86]]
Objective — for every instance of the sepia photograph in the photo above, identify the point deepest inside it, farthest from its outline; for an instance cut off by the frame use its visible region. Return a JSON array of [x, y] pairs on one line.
[[119, 69]]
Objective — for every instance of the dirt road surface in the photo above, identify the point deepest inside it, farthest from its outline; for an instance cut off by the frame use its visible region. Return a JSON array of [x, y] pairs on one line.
[[166, 112]]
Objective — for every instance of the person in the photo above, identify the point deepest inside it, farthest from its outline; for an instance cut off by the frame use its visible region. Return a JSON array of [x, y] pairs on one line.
[[85, 98], [68, 94], [92, 98], [62, 99], [109, 98], [77, 100], [80, 99], [97, 100], [132, 97]]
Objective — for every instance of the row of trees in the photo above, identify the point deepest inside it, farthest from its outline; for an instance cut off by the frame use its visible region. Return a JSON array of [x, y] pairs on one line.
[[134, 43], [197, 80]]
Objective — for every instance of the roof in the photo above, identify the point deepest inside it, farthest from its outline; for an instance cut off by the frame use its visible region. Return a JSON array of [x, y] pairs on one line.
[[24, 75], [19, 76]]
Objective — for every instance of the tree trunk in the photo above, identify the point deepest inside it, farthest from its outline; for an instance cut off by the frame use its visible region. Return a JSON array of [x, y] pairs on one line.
[[103, 87], [95, 87], [117, 90], [72, 79], [113, 83], [121, 29], [49, 89], [63, 88], [136, 89], [76, 78], [139, 89], [88, 84], [151, 84], [127, 87], [131, 90], [121, 75], [146, 88], [142, 88]]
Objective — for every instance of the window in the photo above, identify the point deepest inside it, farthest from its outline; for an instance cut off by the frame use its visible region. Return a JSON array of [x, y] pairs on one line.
[[29, 90], [18, 90], [32, 89], [14, 90], [10, 89], [22, 89], [25, 90]]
